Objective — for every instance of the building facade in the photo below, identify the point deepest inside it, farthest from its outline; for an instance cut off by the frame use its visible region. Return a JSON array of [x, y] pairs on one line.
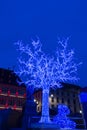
[[83, 99], [12, 95], [68, 95]]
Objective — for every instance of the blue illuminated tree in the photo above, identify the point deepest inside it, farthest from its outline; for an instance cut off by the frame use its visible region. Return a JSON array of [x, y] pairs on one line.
[[38, 70]]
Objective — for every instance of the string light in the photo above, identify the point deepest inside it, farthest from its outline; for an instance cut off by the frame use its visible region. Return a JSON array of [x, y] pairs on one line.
[[61, 118], [38, 70]]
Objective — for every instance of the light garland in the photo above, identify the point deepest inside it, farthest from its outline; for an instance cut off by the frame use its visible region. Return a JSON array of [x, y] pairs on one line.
[[38, 70], [61, 118]]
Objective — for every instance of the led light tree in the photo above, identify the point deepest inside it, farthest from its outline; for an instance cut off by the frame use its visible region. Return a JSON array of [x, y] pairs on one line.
[[38, 70], [61, 118]]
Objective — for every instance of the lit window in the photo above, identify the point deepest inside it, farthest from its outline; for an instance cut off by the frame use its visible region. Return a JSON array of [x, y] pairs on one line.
[[36, 102]]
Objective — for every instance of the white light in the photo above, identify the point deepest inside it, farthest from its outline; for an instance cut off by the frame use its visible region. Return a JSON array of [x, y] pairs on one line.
[[34, 100], [38, 70], [80, 111], [37, 102], [51, 95]]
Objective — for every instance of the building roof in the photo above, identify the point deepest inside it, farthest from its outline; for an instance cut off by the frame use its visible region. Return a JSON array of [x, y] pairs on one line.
[[65, 86], [9, 77], [68, 85]]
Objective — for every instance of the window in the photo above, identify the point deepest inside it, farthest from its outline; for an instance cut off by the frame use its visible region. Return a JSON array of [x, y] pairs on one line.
[[21, 91], [9, 81], [62, 93], [74, 101], [57, 99], [19, 102], [38, 109], [79, 105], [13, 90], [52, 99], [57, 92], [52, 106], [68, 94], [75, 109], [11, 102], [62, 100], [3, 101], [4, 89], [68, 101], [73, 95]]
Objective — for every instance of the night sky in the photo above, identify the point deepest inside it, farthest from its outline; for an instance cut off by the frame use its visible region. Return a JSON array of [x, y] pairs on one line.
[[47, 19]]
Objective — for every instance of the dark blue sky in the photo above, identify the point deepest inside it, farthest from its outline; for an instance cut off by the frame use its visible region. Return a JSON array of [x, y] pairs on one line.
[[48, 19]]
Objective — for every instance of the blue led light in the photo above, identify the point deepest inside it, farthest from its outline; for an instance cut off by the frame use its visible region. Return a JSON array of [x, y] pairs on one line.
[[62, 120], [38, 70]]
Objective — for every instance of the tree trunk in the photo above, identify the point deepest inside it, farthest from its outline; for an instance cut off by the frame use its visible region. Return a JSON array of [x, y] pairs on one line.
[[45, 107]]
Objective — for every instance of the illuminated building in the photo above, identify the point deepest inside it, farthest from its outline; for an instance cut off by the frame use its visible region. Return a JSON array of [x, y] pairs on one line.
[[12, 95], [67, 95], [83, 98]]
